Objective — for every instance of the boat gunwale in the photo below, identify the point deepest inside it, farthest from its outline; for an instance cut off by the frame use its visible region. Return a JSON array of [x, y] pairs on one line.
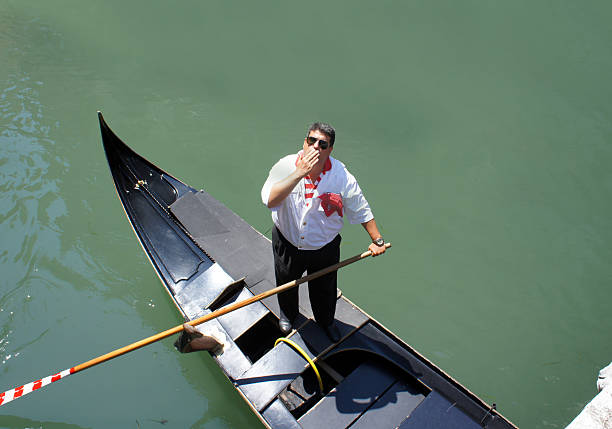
[[488, 409]]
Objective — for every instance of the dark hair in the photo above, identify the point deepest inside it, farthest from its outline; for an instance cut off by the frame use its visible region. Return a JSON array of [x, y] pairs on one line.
[[326, 129]]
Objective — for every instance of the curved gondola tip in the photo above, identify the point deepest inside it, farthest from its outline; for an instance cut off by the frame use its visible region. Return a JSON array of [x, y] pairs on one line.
[[101, 119]]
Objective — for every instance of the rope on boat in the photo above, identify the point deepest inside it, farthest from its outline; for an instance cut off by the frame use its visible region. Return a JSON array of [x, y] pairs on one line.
[[305, 356]]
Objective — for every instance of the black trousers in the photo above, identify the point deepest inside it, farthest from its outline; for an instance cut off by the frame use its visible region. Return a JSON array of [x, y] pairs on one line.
[[290, 263]]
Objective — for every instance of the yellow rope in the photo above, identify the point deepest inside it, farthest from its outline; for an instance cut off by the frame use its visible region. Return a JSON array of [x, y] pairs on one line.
[[304, 355]]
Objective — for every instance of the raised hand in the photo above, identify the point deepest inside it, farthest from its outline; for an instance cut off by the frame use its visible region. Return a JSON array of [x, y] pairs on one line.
[[307, 162]]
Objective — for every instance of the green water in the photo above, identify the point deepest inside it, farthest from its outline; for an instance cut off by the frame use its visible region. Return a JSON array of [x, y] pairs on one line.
[[480, 132]]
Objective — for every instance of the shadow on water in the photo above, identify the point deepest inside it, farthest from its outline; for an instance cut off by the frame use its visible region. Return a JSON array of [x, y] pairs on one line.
[[14, 422]]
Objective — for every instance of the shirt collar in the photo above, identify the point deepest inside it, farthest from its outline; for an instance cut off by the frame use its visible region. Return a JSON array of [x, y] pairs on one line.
[[327, 166]]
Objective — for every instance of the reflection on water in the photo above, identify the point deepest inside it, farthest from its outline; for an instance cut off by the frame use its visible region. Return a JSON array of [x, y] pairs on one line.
[[30, 206], [61, 301]]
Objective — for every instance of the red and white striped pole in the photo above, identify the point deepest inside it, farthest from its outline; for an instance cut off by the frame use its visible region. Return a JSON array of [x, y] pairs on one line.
[[20, 391]]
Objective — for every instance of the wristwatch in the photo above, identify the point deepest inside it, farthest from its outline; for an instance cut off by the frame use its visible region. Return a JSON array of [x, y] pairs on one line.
[[379, 242]]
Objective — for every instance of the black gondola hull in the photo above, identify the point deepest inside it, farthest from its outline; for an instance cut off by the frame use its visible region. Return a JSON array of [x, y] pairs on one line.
[[371, 378]]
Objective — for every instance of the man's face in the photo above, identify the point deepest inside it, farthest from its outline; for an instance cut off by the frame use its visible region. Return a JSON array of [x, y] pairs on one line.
[[315, 140]]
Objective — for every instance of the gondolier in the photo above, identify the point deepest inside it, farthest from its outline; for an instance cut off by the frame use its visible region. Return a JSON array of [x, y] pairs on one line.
[[310, 194]]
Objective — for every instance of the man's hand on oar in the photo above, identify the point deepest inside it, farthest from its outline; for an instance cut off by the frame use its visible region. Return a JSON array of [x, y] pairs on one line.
[[20, 391]]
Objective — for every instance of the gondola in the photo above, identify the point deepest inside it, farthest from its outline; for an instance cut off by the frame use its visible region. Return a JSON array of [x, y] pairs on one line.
[[208, 257]]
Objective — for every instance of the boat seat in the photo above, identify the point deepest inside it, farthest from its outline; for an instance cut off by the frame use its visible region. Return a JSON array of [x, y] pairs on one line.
[[239, 321], [344, 404], [278, 416], [437, 412], [370, 338], [273, 372], [228, 292], [199, 292], [233, 362], [195, 297], [392, 407]]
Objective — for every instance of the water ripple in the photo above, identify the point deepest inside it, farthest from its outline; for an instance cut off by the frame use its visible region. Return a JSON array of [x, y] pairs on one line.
[[26, 185], [30, 210]]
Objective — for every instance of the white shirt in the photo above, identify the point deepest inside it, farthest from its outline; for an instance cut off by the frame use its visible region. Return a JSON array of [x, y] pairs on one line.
[[311, 223]]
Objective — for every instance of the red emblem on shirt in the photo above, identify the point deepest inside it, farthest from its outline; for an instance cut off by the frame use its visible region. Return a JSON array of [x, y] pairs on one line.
[[331, 203]]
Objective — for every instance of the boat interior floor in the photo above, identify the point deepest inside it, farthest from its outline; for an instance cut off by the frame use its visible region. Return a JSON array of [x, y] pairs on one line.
[[267, 374]]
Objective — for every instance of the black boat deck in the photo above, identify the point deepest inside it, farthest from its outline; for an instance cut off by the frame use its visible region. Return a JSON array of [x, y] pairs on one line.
[[371, 378], [368, 394]]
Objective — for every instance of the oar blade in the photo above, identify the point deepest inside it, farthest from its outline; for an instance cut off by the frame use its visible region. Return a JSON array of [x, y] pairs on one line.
[[20, 391]]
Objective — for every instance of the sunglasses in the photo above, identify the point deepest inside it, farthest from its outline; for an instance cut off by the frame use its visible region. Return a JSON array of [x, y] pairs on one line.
[[323, 144]]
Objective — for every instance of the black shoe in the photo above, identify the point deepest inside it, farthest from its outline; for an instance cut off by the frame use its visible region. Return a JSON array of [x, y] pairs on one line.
[[284, 325], [333, 333]]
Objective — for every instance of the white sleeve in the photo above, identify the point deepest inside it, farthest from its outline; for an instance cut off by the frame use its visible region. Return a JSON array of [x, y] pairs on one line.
[[283, 168], [356, 207]]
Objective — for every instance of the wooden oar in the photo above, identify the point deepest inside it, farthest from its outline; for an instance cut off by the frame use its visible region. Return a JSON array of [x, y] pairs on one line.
[[17, 392]]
